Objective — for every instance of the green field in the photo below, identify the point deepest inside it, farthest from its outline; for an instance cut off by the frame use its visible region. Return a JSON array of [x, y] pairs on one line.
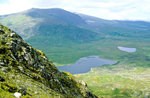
[[118, 81], [129, 78], [106, 48]]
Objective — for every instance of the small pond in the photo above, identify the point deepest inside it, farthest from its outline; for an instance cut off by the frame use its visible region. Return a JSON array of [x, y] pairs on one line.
[[126, 49]]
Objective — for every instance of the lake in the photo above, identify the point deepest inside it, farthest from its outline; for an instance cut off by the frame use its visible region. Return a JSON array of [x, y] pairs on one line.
[[84, 65], [126, 49]]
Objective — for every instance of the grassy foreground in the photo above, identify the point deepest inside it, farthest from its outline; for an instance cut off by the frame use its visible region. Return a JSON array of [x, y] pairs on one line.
[[118, 81]]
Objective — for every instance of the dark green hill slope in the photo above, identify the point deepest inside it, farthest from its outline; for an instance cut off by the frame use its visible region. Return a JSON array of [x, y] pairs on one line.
[[65, 36], [59, 14], [28, 71], [30, 22], [124, 28], [53, 22]]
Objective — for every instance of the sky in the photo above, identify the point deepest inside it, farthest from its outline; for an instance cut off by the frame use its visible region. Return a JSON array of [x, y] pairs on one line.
[[106, 9]]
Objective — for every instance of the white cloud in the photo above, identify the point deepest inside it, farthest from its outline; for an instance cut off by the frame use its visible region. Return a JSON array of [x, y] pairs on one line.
[[107, 9], [13, 6]]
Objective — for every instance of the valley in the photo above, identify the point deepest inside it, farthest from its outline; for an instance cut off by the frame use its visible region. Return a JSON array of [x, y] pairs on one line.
[[65, 37]]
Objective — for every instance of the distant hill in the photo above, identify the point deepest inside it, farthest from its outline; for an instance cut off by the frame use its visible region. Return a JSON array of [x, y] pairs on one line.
[[60, 15], [116, 27], [52, 22], [59, 32], [35, 21], [66, 37]]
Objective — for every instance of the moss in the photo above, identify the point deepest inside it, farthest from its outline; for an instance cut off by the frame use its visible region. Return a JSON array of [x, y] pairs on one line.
[[9, 88], [41, 53], [28, 71]]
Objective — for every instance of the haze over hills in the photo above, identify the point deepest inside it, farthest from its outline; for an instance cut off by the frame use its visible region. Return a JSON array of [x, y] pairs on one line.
[[114, 27], [36, 20], [59, 32], [66, 37]]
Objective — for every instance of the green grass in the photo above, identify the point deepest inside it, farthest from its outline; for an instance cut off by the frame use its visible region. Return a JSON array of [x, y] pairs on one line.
[[67, 52], [128, 78], [118, 82], [26, 70], [18, 80], [21, 24]]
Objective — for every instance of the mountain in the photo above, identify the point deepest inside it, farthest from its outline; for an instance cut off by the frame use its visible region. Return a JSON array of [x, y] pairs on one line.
[[65, 40], [70, 26], [52, 22], [56, 13], [66, 36], [122, 28], [28, 71]]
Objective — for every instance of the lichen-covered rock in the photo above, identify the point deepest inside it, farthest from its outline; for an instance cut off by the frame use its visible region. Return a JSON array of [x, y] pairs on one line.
[[18, 59]]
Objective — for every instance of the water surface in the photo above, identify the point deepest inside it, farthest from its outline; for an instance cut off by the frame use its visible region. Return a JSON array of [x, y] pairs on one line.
[[126, 49], [84, 65]]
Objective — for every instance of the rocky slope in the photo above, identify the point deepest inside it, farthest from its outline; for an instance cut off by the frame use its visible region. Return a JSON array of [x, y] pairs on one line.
[[28, 71]]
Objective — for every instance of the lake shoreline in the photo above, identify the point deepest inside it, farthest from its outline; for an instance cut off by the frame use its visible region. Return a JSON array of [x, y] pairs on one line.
[[84, 65]]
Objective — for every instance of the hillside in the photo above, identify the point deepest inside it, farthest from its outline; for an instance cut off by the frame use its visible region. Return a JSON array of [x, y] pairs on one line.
[[70, 36], [28, 71], [53, 22], [119, 28], [66, 40], [62, 16], [35, 22]]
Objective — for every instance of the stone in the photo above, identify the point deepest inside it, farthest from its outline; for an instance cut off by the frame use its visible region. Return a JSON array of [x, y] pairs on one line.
[[17, 95]]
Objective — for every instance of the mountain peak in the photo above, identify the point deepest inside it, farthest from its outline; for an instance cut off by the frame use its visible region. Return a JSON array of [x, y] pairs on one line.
[[57, 13], [47, 9]]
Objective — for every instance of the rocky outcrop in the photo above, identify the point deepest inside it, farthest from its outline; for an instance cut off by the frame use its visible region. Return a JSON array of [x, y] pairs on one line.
[[19, 61]]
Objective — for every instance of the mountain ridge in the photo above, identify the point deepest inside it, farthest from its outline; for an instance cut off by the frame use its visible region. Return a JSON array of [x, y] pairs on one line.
[[31, 20], [50, 33]]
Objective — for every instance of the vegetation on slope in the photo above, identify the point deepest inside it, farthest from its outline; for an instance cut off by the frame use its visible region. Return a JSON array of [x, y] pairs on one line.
[[21, 23], [68, 48], [71, 37], [118, 81], [28, 71], [129, 78]]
